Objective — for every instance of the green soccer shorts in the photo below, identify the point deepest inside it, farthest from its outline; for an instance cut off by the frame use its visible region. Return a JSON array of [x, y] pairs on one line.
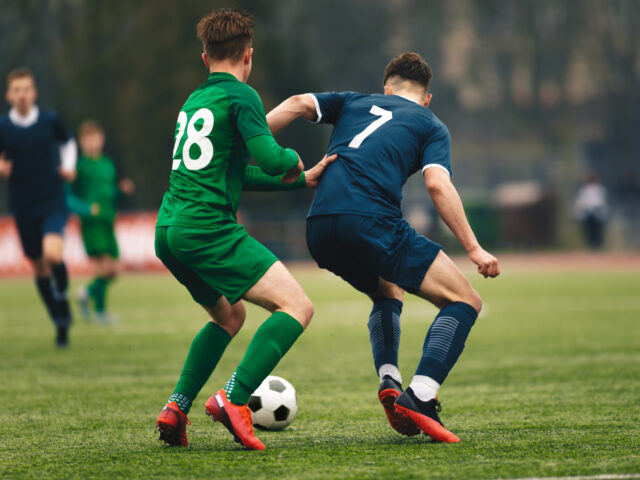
[[223, 260], [99, 238]]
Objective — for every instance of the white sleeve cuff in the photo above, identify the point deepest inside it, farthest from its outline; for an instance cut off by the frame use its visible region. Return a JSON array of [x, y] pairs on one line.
[[69, 155], [318, 112], [434, 165]]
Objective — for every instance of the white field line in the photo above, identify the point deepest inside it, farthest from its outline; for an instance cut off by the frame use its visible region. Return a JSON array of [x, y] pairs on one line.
[[604, 476]]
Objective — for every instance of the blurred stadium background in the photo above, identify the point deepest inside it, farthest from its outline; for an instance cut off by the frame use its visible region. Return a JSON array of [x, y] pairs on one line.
[[535, 94]]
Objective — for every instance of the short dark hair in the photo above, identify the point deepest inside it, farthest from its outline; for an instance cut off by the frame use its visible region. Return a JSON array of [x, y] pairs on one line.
[[226, 33], [409, 66], [20, 72]]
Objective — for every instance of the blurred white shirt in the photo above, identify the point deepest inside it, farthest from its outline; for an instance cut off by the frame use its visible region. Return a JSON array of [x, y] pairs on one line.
[[591, 199]]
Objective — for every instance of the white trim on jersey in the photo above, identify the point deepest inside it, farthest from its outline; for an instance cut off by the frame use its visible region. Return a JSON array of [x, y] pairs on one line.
[[68, 155], [318, 112], [407, 98], [24, 122], [436, 165]]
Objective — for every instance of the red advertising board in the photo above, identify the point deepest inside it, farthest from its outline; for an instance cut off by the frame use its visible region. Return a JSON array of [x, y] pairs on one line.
[[135, 233]]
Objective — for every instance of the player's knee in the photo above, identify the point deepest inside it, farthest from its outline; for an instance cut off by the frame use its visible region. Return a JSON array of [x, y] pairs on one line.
[[52, 257], [303, 311], [474, 300]]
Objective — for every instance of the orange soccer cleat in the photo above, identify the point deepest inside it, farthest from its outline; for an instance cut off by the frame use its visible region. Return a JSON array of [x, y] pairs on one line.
[[387, 393], [424, 415], [172, 424], [236, 418]]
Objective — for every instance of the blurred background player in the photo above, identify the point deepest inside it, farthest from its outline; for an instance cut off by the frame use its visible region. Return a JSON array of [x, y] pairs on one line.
[[591, 209], [355, 229], [199, 240], [93, 196], [37, 154]]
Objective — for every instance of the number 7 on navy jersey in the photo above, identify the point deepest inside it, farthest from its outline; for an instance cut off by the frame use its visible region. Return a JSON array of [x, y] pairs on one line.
[[385, 116]]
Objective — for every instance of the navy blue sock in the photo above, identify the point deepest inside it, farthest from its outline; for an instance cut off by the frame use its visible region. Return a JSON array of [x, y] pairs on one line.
[[60, 276], [384, 331], [61, 283], [46, 293], [445, 340]]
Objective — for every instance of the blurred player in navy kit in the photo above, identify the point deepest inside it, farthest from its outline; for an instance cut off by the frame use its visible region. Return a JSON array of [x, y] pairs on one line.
[[37, 154], [355, 229]]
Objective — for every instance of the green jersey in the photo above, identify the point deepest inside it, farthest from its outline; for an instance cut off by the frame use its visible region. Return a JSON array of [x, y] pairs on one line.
[[210, 154], [96, 183]]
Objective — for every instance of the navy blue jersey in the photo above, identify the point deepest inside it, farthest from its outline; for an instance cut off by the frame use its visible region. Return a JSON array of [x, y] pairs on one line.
[[380, 140], [35, 186]]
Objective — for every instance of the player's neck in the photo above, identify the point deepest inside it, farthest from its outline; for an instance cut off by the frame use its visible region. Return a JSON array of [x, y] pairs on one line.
[[24, 119], [412, 96], [235, 69]]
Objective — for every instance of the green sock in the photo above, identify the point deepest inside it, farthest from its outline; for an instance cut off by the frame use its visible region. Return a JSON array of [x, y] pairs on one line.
[[205, 352], [98, 292], [269, 344]]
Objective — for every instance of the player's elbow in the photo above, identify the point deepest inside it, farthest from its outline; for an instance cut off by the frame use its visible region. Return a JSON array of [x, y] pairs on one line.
[[434, 185], [304, 106]]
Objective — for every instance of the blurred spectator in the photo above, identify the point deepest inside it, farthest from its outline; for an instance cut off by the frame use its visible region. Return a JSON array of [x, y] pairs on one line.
[[591, 209]]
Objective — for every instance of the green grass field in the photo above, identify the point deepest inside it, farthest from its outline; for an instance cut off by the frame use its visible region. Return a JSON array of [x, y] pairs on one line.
[[549, 385]]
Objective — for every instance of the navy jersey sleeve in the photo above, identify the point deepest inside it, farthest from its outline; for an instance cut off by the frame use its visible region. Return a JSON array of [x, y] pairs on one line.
[[437, 149], [328, 105], [60, 132]]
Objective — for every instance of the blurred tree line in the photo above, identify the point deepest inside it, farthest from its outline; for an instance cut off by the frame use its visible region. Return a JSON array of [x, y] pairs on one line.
[[528, 89]]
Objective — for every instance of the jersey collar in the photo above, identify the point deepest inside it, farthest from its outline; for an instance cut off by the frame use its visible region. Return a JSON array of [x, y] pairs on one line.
[[407, 98], [24, 122]]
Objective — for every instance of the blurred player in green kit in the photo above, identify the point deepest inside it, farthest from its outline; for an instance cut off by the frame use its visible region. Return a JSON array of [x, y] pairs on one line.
[[93, 197]]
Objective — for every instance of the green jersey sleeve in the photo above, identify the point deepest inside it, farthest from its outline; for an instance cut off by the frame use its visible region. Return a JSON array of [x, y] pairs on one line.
[[256, 180], [271, 157]]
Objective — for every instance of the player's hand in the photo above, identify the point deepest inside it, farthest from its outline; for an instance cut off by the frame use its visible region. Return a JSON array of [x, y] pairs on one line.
[[313, 175], [5, 166], [127, 186], [95, 209], [487, 263], [67, 175], [293, 174]]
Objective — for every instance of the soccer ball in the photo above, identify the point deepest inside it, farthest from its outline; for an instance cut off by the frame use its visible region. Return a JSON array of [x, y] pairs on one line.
[[274, 404]]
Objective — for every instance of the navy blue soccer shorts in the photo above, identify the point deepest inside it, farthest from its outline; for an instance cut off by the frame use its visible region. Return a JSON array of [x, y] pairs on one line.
[[363, 249], [32, 229]]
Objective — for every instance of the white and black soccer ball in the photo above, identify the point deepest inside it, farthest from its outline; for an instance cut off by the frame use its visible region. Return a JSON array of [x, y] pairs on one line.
[[274, 404]]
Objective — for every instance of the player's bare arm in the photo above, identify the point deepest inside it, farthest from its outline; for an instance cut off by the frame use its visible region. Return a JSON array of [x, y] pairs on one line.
[[449, 206], [292, 108], [5, 166]]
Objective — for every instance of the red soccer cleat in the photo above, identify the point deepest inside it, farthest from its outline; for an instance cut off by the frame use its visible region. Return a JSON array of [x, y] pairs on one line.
[[236, 418], [387, 393], [172, 425], [424, 415]]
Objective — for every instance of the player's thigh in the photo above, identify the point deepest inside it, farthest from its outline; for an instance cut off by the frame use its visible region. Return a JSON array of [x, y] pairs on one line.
[[99, 238], [52, 246], [200, 291], [387, 290], [445, 283], [53, 230], [343, 245], [226, 257], [278, 290]]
